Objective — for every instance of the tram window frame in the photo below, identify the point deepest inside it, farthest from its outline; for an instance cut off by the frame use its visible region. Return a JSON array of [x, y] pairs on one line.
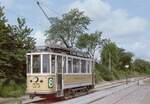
[[46, 56], [28, 64], [37, 64], [53, 64]]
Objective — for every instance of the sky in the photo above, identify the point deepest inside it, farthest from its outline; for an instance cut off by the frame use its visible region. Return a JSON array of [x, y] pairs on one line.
[[125, 22]]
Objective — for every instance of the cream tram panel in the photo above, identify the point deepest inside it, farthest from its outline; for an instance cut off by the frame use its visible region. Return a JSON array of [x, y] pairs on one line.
[[40, 87], [71, 80]]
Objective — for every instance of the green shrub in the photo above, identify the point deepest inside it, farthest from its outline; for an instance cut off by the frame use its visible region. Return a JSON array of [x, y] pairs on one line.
[[12, 89], [104, 72], [98, 76]]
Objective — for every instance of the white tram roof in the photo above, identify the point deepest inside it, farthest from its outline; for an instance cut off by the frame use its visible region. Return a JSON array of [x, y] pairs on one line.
[[60, 49]]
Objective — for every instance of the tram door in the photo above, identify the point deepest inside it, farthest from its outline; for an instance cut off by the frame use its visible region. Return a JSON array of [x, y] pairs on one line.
[[60, 64]]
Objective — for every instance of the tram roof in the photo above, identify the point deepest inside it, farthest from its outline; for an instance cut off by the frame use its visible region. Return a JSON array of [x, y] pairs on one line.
[[60, 49]]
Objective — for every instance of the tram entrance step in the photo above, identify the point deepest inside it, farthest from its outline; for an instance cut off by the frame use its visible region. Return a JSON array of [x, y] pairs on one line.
[[60, 93]]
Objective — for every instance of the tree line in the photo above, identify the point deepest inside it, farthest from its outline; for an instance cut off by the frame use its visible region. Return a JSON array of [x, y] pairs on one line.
[[71, 31], [119, 59]]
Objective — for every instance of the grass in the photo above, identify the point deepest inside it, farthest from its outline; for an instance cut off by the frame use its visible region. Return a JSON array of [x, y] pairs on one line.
[[12, 89]]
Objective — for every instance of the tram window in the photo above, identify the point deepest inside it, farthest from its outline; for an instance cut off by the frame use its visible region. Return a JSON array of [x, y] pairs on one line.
[[69, 65], [53, 64], [46, 68], [76, 65], [36, 63], [64, 64], [28, 64], [88, 66], [83, 66], [59, 64], [92, 66]]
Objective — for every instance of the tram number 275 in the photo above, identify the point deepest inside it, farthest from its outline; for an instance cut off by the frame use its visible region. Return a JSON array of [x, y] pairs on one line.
[[36, 85]]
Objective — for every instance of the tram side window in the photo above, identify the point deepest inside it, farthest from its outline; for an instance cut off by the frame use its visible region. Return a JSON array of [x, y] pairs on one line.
[[92, 66], [69, 65], [83, 66], [76, 65], [28, 64], [46, 68], [88, 66], [64, 64], [53, 63], [36, 63], [59, 64]]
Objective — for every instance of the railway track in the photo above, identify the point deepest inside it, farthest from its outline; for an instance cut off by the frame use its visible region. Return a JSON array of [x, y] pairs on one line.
[[125, 96], [99, 98], [121, 97], [102, 88], [117, 83], [100, 94], [98, 88]]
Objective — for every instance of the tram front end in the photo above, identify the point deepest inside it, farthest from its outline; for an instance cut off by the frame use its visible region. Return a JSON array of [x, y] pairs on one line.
[[40, 81]]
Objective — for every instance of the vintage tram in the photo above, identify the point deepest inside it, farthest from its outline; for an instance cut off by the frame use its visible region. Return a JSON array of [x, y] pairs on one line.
[[58, 71]]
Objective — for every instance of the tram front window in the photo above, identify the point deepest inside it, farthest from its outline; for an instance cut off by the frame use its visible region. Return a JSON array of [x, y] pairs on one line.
[[36, 63], [46, 68]]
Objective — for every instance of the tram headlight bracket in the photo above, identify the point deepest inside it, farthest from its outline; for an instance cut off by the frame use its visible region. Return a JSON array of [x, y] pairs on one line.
[[50, 83]]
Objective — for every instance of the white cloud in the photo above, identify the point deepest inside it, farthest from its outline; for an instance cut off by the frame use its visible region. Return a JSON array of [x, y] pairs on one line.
[[6, 3], [93, 8], [116, 22], [138, 47], [141, 50], [40, 38]]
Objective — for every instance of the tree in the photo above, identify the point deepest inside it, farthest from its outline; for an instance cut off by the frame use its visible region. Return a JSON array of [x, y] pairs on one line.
[[5, 42], [65, 30], [119, 57], [141, 66], [125, 58], [23, 43], [90, 42], [110, 51], [15, 41]]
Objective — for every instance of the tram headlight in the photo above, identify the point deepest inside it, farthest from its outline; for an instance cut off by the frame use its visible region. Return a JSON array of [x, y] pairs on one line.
[[50, 83], [35, 79]]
